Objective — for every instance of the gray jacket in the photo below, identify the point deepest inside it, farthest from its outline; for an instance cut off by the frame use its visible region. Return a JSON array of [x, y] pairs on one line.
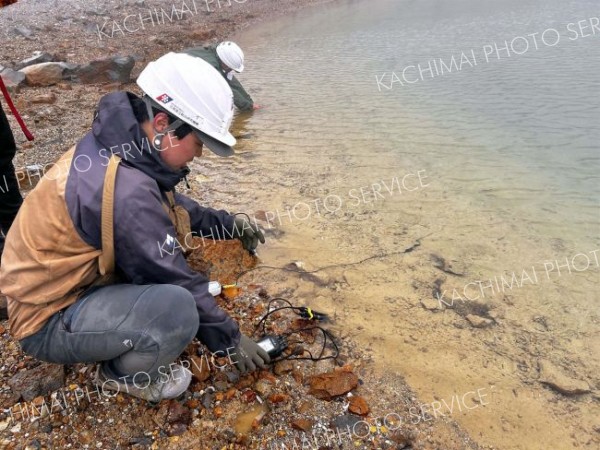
[[141, 224]]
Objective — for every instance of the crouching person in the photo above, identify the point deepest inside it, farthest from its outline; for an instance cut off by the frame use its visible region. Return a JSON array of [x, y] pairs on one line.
[[85, 269]]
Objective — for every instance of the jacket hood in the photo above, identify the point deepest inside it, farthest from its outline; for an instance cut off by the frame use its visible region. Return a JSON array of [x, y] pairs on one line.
[[118, 131]]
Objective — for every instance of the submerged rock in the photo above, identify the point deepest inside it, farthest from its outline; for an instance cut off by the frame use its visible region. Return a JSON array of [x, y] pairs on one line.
[[478, 321], [431, 304], [451, 267], [557, 380]]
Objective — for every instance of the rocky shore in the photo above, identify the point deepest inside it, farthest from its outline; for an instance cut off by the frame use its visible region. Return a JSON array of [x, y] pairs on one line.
[[64, 55], [336, 404]]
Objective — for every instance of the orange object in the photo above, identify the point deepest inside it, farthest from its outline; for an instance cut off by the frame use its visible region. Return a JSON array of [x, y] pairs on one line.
[[7, 2], [231, 292]]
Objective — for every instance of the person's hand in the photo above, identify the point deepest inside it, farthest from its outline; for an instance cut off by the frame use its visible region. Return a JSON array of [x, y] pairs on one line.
[[248, 233], [248, 354]]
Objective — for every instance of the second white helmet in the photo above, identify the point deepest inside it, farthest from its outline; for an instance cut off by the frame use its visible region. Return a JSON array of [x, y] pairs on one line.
[[231, 55]]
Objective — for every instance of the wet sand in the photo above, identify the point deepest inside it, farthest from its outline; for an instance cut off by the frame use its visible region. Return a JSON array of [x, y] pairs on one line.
[[390, 308], [488, 228]]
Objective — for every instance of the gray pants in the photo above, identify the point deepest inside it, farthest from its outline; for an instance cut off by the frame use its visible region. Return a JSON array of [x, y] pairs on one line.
[[130, 328]]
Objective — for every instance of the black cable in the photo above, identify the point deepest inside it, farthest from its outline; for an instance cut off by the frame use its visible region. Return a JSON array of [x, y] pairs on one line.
[[269, 312], [299, 311], [301, 271], [326, 334]]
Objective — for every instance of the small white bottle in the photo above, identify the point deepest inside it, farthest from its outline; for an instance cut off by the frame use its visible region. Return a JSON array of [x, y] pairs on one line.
[[214, 288]]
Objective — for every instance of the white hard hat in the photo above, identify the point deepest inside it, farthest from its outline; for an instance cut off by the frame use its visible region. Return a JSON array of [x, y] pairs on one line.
[[231, 55], [196, 93]]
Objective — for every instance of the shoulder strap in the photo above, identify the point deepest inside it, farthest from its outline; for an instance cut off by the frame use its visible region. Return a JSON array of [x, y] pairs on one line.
[[107, 258], [171, 198], [180, 218], [170, 208]]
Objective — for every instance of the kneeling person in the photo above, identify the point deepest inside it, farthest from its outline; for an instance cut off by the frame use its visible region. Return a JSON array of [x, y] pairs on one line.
[[105, 219]]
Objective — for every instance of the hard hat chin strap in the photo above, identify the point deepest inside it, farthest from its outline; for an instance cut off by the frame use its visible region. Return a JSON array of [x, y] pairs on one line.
[[158, 136]]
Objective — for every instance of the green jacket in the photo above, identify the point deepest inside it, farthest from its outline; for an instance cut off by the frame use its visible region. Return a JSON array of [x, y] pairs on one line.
[[241, 98]]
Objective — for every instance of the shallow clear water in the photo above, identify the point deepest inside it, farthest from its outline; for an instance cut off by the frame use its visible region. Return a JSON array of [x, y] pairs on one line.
[[510, 146], [520, 133]]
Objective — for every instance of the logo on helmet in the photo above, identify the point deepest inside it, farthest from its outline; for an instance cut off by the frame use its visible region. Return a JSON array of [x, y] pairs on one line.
[[164, 98]]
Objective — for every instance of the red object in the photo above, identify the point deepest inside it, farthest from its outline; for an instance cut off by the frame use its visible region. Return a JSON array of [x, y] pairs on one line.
[[28, 134]]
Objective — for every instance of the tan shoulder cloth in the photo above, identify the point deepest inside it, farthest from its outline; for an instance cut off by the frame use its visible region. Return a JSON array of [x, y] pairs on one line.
[[106, 260], [181, 221]]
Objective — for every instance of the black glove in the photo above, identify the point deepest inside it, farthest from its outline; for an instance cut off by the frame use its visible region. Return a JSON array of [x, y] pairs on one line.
[[248, 355], [248, 233]]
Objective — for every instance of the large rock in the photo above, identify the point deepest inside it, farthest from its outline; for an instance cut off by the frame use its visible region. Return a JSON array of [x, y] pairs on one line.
[[38, 57], [39, 381], [117, 69], [45, 74], [325, 386], [12, 78], [560, 382]]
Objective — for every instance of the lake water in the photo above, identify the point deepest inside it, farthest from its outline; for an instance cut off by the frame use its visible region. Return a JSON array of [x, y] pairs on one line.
[[373, 140]]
